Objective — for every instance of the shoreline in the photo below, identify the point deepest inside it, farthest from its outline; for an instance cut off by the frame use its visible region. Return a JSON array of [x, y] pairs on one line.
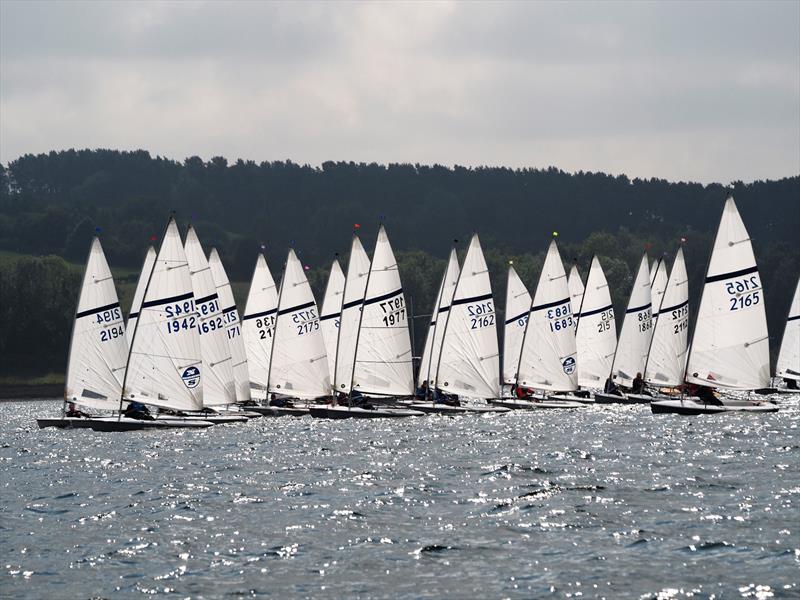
[[23, 391]]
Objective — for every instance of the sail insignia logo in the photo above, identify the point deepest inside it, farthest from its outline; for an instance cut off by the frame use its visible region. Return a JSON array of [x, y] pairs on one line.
[[191, 377], [569, 365]]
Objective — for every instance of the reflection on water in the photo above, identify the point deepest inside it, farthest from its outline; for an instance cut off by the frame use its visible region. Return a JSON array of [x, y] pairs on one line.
[[601, 502]]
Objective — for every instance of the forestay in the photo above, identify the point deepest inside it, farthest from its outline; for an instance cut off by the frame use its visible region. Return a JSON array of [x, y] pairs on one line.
[[383, 354], [518, 305], [576, 290], [469, 359], [354, 288], [433, 341], [548, 357], [730, 347], [332, 312], [233, 327], [258, 326], [637, 329], [658, 285], [299, 366], [666, 361], [218, 384], [788, 365], [98, 350], [165, 365], [138, 296], [596, 336]]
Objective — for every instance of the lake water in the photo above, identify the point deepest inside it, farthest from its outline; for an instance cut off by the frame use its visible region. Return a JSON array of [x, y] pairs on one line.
[[603, 502]]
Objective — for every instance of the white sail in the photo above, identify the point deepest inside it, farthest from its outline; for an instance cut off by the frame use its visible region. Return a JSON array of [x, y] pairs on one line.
[[332, 312], [218, 384], [258, 326], [788, 365], [576, 290], [637, 329], [98, 350], [383, 354], [730, 347], [433, 341], [233, 327], [548, 358], [666, 361], [299, 366], [658, 285], [138, 296], [355, 287], [518, 306], [596, 336], [165, 365], [469, 359]]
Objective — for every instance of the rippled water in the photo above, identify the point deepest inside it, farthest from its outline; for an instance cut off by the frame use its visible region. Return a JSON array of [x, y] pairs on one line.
[[600, 502]]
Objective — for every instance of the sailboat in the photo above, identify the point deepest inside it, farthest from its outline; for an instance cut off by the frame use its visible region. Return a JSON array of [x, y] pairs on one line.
[[374, 324], [730, 346], [788, 366], [258, 327], [138, 296], [596, 335], [332, 312], [658, 285], [634, 341], [518, 305], [576, 290]]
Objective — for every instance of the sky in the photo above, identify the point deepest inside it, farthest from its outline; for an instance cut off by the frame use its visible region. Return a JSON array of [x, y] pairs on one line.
[[685, 91]]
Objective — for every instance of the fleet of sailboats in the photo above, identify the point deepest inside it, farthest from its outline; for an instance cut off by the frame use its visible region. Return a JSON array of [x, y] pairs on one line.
[[186, 353]]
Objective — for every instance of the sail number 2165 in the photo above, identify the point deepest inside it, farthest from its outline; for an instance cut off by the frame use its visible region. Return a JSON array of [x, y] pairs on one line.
[[743, 292]]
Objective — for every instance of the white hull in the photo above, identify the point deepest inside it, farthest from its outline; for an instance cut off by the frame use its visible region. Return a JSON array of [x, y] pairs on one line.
[[698, 407]]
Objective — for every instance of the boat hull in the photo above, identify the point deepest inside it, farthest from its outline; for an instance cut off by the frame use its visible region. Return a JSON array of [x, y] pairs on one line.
[[281, 411], [571, 398], [124, 424], [446, 409], [694, 407], [354, 412], [603, 398], [519, 404]]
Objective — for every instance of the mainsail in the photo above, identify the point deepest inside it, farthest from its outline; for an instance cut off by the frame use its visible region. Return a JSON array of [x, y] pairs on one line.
[[138, 296], [233, 327], [383, 352], [98, 350], [518, 305], [666, 361], [596, 336], [788, 365], [218, 384], [258, 326], [433, 341], [299, 365], [331, 313], [469, 359], [730, 347], [165, 366], [548, 357], [576, 290], [637, 329]]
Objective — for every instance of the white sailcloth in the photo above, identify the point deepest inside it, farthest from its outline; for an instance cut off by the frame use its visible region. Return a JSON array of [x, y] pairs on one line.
[[258, 326], [518, 306], [138, 296], [433, 341], [596, 336], [658, 285], [233, 327], [98, 350], [165, 365], [331, 313], [637, 329], [355, 287], [576, 290], [730, 347], [666, 361], [548, 357], [788, 365], [469, 359], [383, 354], [299, 366], [218, 384]]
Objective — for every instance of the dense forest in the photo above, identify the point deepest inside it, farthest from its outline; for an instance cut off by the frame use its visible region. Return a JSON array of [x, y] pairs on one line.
[[52, 204]]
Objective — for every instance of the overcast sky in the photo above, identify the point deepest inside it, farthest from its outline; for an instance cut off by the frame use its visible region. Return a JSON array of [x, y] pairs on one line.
[[685, 91]]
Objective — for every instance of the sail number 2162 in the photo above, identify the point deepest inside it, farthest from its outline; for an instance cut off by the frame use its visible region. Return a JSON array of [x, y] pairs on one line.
[[481, 315]]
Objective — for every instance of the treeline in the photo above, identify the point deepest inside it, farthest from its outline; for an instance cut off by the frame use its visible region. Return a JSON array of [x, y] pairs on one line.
[[52, 204]]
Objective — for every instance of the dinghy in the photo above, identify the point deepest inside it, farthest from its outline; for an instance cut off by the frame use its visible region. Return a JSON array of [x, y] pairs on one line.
[[634, 341], [788, 365], [331, 313], [730, 346], [258, 327], [518, 305], [138, 296], [596, 335]]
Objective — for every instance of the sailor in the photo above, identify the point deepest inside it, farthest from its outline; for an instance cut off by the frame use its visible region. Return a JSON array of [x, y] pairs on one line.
[[137, 410], [422, 392], [706, 394], [74, 412], [611, 388], [638, 385], [791, 383]]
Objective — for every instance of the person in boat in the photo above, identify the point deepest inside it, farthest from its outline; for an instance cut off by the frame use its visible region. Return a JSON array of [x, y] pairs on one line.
[[280, 402], [707, 395], [791, 383], [522, 392], [422, 392], [440, 397], [137, 410], [74, 413], [611, 388], [638, 385], [359, 400]]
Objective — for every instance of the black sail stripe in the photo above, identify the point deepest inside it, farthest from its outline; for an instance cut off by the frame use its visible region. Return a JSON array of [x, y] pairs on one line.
[[298, 307], [229, 309], [265, 313], [352, 304], [794, 318], [550, 304], [383, 297], [525, 314], [731, 274], [473, 299], [638, 308], [676, 307], [94, 311], [169, 300], [595, 311], [134, 315], [213, 296], [330, 316]]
